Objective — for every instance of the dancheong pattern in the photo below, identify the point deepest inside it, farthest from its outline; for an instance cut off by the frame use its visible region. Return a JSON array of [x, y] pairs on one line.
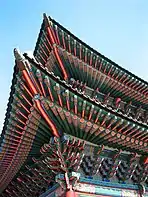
[[76, 123]]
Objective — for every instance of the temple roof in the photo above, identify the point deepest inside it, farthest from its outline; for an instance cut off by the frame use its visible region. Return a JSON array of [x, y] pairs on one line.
[[42, 105], [7, 115], [55, 23], [46, 100]]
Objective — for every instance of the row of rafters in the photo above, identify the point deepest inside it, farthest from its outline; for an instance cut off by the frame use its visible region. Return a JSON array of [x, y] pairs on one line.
[[121, 82], [43, 105]]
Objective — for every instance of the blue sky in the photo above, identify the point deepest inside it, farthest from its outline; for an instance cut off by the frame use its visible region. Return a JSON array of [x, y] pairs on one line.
[[116, 28]]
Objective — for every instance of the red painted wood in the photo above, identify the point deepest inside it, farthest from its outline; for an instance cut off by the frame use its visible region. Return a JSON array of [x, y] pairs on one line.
[[71, 194], [146, 161]]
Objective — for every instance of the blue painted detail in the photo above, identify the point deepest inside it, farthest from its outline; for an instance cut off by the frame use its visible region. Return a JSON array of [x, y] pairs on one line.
[[108, 184], [113, 191], [89, 177], [50, 190]]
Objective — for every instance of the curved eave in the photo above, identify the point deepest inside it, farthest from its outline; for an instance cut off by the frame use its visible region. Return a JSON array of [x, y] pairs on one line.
[[87, 98], [75, 92], [89, 76], [18, 146], [10, 100], [87, 46]]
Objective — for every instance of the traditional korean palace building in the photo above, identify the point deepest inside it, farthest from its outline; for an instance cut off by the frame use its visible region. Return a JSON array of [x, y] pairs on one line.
[[76, 123]]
